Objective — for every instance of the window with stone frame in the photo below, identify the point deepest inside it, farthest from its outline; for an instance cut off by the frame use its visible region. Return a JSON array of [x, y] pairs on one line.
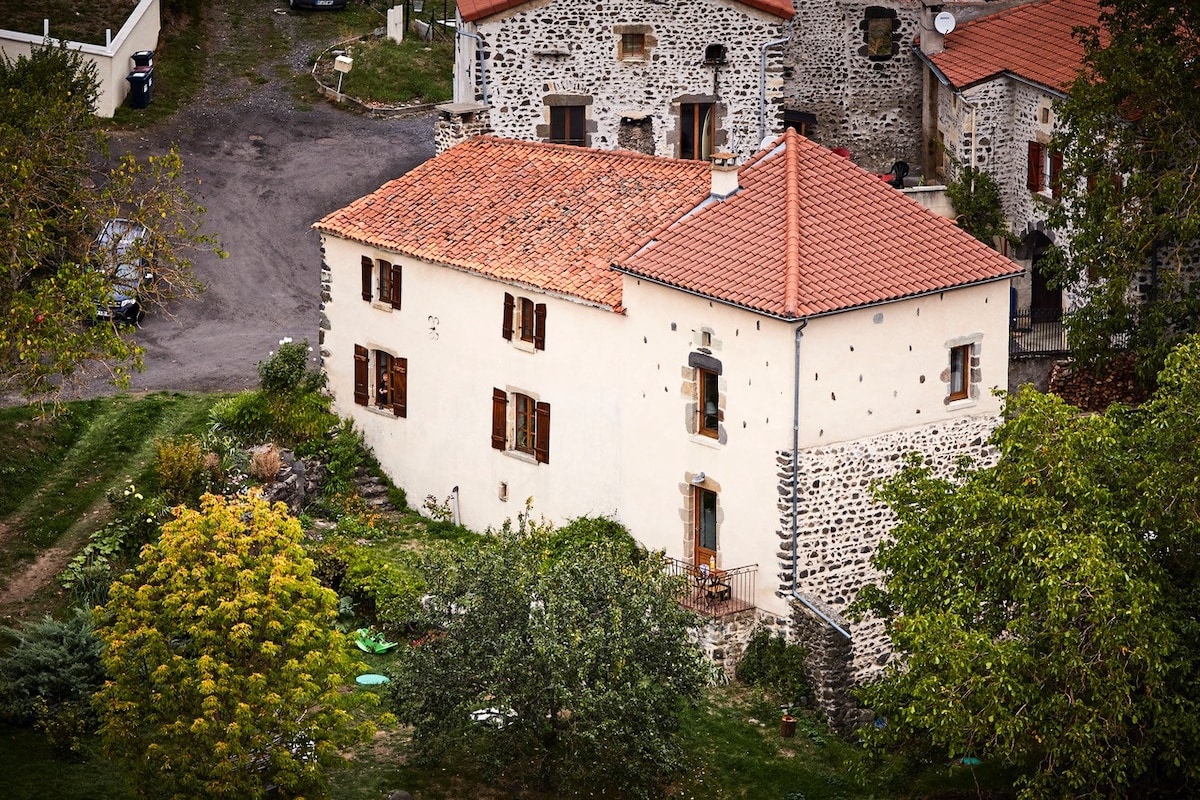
[[708, 409], [1044, 169], [880, 27], [960, 372], [709, 405], [521, 424], [697, 130], [568, 125], [634, 42]]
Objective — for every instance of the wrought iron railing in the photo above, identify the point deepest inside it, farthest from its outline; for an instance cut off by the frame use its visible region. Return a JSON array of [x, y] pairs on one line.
[[1034, 333], [712, 592]]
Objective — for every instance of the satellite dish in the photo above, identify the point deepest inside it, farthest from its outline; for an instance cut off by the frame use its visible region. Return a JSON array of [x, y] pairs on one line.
[[943, 23]]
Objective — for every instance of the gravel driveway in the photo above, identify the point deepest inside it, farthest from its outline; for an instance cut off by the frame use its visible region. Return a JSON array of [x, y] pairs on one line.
[[268, 171]]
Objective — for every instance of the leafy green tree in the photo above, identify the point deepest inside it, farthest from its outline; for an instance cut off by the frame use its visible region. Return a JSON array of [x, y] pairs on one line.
[[1131, 139], [976, 200], [1046, 608], [224, 674], [575, 643], [57, 189]]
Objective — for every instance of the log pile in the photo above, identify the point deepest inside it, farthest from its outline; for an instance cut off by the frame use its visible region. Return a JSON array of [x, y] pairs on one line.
[[1089, 390]]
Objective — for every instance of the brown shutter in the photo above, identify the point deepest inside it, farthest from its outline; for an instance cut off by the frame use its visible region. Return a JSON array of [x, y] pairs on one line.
[[541, 445], [1056, 165], [1035, 179], [399, 381], [368, 270], [360, 375], [397, 285], [499, 418], [506, 327], [539, 327]]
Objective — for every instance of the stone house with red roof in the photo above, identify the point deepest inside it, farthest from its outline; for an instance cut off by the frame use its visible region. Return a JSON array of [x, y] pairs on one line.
[[991, 89], [686, 80], [721, 358]]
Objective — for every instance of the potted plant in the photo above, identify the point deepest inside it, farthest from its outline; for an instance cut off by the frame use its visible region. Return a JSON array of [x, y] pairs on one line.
[[787, 722]]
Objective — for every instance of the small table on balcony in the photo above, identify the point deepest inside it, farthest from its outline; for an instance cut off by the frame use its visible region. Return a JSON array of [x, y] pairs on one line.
[[712, 584]]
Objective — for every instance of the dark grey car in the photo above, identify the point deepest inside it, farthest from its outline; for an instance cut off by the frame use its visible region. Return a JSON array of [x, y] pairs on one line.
[[129, 272]]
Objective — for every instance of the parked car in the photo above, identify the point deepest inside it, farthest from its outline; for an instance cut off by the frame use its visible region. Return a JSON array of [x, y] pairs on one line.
[[129, 272], [318, 3]]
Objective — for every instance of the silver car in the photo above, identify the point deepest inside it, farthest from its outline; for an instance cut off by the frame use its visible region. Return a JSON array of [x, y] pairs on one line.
[[129, 272]]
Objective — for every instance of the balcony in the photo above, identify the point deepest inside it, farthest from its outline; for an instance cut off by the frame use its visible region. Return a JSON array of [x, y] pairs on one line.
[[1033, 333], [714, 593]]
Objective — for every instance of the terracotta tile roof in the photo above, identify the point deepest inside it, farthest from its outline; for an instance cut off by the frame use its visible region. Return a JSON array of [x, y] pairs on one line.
[[473, 10], [548, 216], [810, 233], [1033, 41]]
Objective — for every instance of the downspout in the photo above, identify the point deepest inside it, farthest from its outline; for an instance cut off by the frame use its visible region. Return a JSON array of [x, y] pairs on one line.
[[482, 65], [796, 492], [762, 82]]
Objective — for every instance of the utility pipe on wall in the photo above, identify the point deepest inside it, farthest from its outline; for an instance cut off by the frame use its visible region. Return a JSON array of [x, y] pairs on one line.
[[482, 65]]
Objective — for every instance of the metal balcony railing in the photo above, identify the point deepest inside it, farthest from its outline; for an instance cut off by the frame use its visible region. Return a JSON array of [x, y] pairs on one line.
[[714, 593], [1032, 333]]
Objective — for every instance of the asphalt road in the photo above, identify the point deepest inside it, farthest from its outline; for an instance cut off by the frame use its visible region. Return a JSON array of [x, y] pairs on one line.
[[268, 171]]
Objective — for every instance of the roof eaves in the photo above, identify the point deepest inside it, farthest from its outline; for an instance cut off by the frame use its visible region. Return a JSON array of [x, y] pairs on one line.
[[913, 295]]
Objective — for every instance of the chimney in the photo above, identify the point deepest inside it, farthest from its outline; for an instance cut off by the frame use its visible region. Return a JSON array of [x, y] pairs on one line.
[[724, 175]]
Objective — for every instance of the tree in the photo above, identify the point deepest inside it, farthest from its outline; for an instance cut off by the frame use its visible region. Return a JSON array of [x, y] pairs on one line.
[[1131, 139], [574, 640], [224, 672], [57, 189], [976, 200], [1045, 609]]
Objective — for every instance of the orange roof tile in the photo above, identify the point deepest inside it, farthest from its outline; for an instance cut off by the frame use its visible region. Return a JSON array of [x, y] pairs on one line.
[[473, 10], [1033, 41], [548, 216], [810, 233]]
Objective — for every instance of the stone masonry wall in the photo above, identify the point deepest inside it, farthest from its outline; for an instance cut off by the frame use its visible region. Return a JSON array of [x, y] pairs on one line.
[[840, 527], [549, 52], [868, 104]]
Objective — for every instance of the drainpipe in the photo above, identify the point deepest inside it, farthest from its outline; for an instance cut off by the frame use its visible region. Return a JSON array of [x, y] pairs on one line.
[[762, 92], [796, 492], [482, 65], [457, 516]]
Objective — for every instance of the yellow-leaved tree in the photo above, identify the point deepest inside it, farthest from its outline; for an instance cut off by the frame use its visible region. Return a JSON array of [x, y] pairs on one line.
[[224, 672]]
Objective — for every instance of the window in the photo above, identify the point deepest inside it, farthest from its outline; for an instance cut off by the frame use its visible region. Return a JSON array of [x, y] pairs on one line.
[[391, 383], [528, 430], [1045, 169], [879, 26], [568, 125], [705, 525], [709, 405], [388, 281], [528, 319], [960, 372], [633, 46], [697, 129], [390, 379]]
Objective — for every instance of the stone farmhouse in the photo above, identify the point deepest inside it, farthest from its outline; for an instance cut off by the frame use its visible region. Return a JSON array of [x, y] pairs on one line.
[[720, 358], [688, 79], [992, 85]]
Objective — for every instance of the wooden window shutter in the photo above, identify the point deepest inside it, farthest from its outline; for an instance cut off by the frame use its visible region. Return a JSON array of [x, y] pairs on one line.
[[1036, 180], [399, 381], [360, 375], [368, 274], [1056, 165], [539, 326], [499, 418], [397, 285], [541, 445], [506, 328]]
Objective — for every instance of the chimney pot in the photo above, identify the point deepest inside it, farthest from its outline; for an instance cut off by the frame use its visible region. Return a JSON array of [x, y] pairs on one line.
[[724, 175]]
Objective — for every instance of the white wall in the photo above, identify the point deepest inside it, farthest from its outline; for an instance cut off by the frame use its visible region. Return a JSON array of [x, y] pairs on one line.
[[113, 61], [449, 329]]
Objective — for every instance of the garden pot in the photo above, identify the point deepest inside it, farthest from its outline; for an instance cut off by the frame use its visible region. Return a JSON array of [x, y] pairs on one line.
[[787, 726]]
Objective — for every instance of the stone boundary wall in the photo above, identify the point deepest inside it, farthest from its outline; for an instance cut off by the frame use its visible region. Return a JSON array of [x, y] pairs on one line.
[[840, 527]]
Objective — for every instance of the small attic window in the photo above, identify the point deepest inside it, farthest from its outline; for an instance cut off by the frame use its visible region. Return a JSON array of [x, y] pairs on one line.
[[714, 54]]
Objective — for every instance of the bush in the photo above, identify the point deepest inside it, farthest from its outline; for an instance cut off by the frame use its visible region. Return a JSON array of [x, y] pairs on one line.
[[54, 662], [265, 464], [286, 371], [246, 415], [776, 665], [179, 462]]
